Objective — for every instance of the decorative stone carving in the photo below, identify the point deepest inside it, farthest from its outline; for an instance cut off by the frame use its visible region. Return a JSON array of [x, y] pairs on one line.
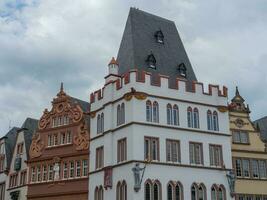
[[137, 176], [36, 146], [82, 139], [138, 95], [61, 106], [92, 114], [223, 109], [231, 181]]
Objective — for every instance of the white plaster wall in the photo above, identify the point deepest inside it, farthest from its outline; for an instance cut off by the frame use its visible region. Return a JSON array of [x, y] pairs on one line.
[[3, 176], [23, 190]]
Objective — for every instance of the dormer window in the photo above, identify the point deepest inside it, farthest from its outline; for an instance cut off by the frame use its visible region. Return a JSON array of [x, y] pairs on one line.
[[151, 61], [159, 37], [182, 70]]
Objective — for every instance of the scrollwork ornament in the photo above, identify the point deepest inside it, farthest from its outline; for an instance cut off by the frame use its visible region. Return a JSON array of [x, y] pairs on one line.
[[81, 140], [36, 146]]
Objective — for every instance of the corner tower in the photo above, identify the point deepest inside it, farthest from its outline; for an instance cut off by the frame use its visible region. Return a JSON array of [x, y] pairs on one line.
[[151, 43]]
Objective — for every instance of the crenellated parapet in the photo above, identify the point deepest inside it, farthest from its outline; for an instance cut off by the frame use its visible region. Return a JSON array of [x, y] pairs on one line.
[[160, 85]]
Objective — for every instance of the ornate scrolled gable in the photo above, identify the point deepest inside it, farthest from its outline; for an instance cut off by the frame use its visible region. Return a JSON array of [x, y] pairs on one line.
[[62, 106]]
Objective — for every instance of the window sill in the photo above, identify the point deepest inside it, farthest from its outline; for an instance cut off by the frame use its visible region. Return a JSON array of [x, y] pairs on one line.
[[58, 146]]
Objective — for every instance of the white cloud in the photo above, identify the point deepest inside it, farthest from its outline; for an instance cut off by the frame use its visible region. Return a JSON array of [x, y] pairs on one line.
[[46, 42]]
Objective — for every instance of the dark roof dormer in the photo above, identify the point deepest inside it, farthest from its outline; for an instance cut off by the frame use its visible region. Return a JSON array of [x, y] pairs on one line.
[[151, 61], [182, 70], [159, 37]]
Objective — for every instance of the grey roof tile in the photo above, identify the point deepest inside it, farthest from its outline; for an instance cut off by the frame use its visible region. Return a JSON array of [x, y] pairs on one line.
[[138, 42]]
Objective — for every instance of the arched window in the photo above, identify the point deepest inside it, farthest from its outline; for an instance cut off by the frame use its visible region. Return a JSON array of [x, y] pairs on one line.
[[156, 191], [193, 192], [215, 121], [209, 120], [178, 191], [98, 123], [96, 193], [175, 115], [170, 192], [155, 112], [213, 193], [189, 117], [221, 193], [99, 193], [122, 113], [196, 118], [148, 111], [102, 123], [147, 191], [121, 193], [118, 114], [169, 114], [201, 192]]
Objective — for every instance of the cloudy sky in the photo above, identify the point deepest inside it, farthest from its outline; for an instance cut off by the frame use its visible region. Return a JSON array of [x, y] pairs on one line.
[[44, 42]]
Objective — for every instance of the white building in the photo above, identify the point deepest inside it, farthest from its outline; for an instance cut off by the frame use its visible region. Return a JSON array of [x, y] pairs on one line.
[[16, 181], [7, 144], [170, 126]]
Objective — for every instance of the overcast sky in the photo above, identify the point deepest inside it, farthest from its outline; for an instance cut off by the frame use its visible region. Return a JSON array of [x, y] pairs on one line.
[[44, 42]]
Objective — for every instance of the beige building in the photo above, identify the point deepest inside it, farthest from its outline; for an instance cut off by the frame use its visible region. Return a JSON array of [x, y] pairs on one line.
[[248, 152]]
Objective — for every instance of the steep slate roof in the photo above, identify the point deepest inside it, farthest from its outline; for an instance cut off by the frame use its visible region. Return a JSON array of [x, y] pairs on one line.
[[10, 142], [138, 42], [29, 127], [262, 125]]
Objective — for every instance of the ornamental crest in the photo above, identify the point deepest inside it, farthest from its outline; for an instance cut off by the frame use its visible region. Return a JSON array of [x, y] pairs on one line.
[[82, 139], [138, 95], [36, 146]]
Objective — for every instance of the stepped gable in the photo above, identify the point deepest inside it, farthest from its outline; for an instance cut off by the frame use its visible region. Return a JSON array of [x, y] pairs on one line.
[[140, 46]]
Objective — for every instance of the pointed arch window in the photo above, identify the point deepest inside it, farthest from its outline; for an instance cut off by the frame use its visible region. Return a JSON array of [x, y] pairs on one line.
[[151, 61], [170, 192], [156, 191], [193, 192], [120, 114], [175, 115], [189, 117], [201, 195], [147, 191], [213, 193], [121, 192], [148, 111], [155, 112], [209, 120], [169, 114], [215, 121], [182, 70], [99, 193], [196, 118], [159, 37]]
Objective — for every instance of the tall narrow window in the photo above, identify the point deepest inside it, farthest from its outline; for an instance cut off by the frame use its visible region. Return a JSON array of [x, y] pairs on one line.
[[221, 194], [213, 193], [63, 138], [50, 173], [156, 191], [148, 111], [69, 137], [193, 193], [173, 150], [175, 113], [151, 148], [216, 155], [262, 168], [189, 117], [98, 124], [209, 120], [65, 170], [99, 157], [71, 173], [215, 121], [118, 114], [195, 151], [122, 113], [147, 191], [169, 114], [178, 191], [122, 150], [121, 191], [39, 174], [255, 168], [33, 177], [238, 167], [78, 168], [155, 112], [245, 168], [102, 123], [201, 192], [85, 167], [44, 172], [170, 192], [196, 118]]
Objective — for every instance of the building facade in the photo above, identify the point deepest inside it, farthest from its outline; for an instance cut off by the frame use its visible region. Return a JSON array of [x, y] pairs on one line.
[[249, 153], [156, 137], [7, 144], [58, 164], [16, 183]]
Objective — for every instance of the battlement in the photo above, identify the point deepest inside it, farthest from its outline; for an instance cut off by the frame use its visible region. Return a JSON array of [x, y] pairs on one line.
[[135, 77]]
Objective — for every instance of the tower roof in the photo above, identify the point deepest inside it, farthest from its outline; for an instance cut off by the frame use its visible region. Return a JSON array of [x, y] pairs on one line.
[[140, 40], [113, 62]]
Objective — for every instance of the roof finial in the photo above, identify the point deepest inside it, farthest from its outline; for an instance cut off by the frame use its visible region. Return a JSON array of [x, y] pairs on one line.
[[236, 91], [113, 62], [61, 87]]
